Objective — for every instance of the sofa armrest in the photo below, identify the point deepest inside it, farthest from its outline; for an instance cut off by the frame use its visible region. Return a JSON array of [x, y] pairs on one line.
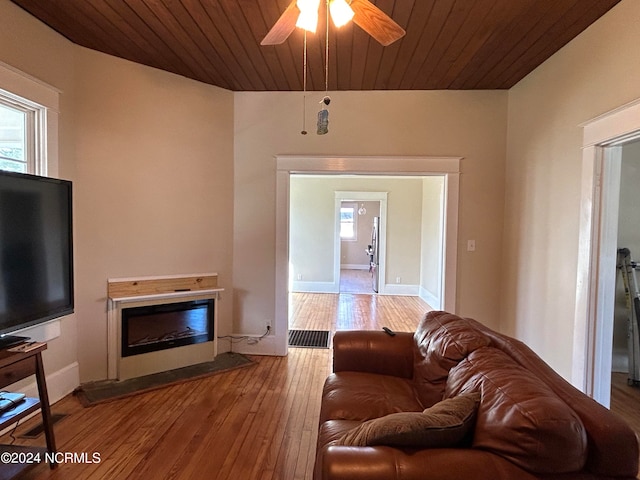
[[373, 352]]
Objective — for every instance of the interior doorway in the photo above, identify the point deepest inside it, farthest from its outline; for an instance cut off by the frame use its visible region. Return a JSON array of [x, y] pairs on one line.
[[603, 140], [288, 166], [359, 237], [628, 237]]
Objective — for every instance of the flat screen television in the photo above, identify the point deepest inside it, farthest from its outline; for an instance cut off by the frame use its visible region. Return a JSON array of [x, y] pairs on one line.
[[36, 252]]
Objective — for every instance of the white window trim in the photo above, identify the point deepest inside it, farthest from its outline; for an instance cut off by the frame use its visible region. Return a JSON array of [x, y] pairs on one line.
[[26, 90]]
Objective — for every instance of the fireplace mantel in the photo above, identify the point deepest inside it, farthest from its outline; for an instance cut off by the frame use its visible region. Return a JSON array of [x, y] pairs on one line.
[[143, 291], [167, 296]]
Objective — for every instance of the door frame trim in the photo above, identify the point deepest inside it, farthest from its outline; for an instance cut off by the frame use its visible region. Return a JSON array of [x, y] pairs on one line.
[[595, 285]]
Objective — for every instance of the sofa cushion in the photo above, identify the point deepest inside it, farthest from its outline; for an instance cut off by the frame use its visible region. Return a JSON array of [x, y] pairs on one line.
[[442, 340], [362, 396], [446, 424], [520, 417]]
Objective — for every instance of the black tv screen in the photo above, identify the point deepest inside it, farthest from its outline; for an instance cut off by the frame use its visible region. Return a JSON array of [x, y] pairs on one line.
[[36, 251]]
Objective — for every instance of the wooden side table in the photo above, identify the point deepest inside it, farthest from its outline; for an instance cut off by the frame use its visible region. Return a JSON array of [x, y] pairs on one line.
[[15, 367]]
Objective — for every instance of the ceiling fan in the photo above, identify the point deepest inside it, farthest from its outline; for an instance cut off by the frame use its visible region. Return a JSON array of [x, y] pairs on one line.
[[304, 14]]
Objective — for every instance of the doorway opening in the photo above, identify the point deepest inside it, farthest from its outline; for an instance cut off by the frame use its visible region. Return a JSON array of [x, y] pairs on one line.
[[361, 238], [359, 241], [604, 138], [447, 169]]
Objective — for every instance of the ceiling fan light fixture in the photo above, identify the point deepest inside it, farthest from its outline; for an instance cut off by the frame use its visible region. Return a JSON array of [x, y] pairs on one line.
[[308, 18], [341, 12]]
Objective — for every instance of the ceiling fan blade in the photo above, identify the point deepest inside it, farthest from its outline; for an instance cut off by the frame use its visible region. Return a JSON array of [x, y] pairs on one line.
[[376, 23], [283, 27]]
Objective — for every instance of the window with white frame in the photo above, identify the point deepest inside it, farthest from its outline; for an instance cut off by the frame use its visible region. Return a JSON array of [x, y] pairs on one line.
[[20, 135], [348, 221]]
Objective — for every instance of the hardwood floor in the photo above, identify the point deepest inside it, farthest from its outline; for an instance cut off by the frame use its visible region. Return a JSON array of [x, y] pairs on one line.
[[315, 311], [625, 401], [356, 281], [258, 422]]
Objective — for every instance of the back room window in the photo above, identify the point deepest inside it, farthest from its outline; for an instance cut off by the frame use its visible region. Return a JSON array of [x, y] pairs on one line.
[[348, 222]]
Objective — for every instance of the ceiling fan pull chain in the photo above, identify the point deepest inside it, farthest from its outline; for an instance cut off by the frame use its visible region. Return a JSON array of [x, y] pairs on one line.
[[326, 54], [323, 114], [304, 86]]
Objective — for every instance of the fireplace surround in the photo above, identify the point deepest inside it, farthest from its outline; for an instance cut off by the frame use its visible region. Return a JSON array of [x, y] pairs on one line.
[[160, 323]]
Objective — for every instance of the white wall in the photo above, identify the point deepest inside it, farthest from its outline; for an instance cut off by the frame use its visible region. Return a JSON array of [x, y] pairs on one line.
[[593, 74]]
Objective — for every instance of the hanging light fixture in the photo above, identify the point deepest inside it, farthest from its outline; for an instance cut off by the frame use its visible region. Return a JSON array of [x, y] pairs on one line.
[[341, 12], [303, 13], [308, 18]]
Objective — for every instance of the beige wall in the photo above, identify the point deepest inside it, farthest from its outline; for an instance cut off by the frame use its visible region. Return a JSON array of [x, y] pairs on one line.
[[456, 123], [596, 72], [154, 187]]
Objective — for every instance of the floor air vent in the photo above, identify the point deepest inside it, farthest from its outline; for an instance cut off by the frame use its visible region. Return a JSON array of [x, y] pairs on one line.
[[309, 338]]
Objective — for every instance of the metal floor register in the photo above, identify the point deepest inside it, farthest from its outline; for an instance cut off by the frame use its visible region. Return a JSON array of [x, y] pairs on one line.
[[309, 338]]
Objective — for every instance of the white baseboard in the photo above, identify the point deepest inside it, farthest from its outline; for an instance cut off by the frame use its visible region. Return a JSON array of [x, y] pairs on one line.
[[430, 298], [59, 384], [400, 289], [354, 266], [315, 287]]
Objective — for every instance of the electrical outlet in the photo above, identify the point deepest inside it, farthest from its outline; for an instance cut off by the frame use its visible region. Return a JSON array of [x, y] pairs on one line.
[[471, 245], [398, 279], [299, 276], [268, 324]]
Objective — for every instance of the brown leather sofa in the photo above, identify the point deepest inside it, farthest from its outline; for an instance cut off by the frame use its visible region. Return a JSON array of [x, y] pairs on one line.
[[529, 423]]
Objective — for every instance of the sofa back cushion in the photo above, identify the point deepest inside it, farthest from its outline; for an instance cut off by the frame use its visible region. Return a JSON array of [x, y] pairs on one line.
[[442, 340], [446, 424], [520, 417]]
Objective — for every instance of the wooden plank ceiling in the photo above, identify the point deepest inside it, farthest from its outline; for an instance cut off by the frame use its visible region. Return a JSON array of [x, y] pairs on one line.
[[450, 44]]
